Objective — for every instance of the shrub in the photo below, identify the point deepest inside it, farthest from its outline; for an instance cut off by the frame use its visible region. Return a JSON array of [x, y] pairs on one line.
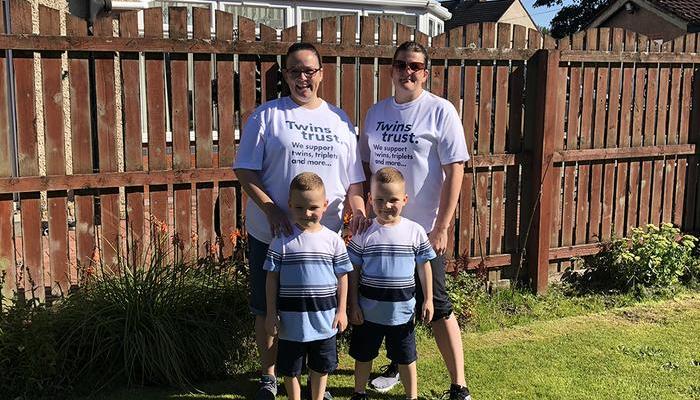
[[158, 322], [465, 290], [653, 257]]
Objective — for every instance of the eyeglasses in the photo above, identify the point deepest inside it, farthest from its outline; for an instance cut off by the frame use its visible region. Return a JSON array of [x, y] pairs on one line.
[[413, 66], [308, 73]]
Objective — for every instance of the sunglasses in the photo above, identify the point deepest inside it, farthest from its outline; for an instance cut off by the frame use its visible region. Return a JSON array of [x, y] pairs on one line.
[[413, 66], [308, 73]]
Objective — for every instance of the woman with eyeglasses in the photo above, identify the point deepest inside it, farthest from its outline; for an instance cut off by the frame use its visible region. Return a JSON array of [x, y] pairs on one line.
[[282, 138], [421, 135]]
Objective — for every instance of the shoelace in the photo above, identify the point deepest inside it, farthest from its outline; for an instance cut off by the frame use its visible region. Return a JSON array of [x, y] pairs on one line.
[[385, 369]]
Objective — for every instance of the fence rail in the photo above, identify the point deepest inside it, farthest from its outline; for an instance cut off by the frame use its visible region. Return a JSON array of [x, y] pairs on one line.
[[573, 140]]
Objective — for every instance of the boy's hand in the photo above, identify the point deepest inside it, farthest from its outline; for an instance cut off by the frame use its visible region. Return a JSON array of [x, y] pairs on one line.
[[356, 317], [271, 324], [427, 311], [340, 321]]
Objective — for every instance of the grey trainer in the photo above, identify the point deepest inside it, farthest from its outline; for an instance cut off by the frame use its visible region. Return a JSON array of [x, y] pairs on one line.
[[388, 378]]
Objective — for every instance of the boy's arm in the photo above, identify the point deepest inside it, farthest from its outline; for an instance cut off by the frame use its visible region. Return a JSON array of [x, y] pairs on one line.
[[426, 280], [271, 288], [356, 317], [341, 316]]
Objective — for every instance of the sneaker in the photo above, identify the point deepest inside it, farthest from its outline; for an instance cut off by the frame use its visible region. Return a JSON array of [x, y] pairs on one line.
[[387, 379], [359, 396], [268, 388], [326, 395], [457, 392]]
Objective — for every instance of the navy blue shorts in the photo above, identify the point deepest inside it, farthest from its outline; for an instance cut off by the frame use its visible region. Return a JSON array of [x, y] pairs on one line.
[[366, 339], [441, 301], [257, 251], [320, 356]]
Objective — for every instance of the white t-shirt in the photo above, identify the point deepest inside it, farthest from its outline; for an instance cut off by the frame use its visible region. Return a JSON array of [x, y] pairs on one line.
[[417, 138], [282, 139]]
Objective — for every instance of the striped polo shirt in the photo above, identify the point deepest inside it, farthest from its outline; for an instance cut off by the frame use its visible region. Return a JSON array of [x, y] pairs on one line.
[[388, 256], [308, 264]]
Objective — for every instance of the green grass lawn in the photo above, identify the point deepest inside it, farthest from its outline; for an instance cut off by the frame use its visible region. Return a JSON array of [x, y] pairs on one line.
[[648, 351]]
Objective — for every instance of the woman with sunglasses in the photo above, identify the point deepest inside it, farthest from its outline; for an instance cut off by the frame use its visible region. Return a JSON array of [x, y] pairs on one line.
[[421, 135], [282, 138]]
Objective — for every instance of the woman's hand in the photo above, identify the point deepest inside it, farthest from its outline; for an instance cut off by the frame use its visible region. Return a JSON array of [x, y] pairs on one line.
[[279, 223], [438, 239], [359, 222]]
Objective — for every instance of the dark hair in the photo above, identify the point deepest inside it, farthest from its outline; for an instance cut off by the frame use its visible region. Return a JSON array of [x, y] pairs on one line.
[[414, 47], [304, 46], [306, 181]]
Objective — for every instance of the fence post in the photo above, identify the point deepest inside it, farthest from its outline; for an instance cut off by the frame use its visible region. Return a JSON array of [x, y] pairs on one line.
[[545, 117]]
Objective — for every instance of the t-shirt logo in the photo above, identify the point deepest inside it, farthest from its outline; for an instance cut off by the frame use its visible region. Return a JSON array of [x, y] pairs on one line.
[[396, 132], [312, 132]]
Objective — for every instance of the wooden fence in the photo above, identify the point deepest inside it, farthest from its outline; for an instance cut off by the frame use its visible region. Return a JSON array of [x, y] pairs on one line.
[[572, 140]]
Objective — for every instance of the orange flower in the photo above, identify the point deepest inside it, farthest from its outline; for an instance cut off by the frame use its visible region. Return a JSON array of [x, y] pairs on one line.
[[214, 249], [233, 237], [194, 238], [95, 255], [89, 271]]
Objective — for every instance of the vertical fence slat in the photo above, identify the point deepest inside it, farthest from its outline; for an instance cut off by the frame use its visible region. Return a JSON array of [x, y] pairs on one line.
[[180, 128], [107, 147], [329, 85], [611, 135], [586, 133], [637, 125], [226, 116], [367, 26], [133, 159], [689, 168], [7, 251], [499, 142], [246, 70], [437, 68], [269, 70], [347, 68], [403, 33], [601, 94], [55, 154], [622, 194], [676, 72], [649, 133], [469, 122], [386, 34], [572, 132], [454, 80], [657, 189], [23, 63], [203, 135], [483, 144], [513, 146], [155, 106], [309, 31]]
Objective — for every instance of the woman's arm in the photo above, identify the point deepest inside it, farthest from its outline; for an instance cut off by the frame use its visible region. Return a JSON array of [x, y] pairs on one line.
[[252, 186], [449, 195], [356, 200]]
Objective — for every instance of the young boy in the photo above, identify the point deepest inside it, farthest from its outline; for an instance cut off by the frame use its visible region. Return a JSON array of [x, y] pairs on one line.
[[306, 290], [382, 286]]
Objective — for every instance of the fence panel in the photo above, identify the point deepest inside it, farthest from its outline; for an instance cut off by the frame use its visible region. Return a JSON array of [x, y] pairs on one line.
[[7, 245], [614, 129]]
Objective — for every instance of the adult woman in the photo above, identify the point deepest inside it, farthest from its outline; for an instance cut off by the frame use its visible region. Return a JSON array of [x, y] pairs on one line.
[[421, 135], [282, 138]]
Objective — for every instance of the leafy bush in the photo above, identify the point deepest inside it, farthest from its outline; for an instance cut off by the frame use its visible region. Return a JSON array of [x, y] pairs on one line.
[[465, 290], [159, 322], [653, 257]]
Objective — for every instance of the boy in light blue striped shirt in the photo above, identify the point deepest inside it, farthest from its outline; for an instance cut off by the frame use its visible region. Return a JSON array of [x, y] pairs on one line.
[[306, 290], [382, 286]]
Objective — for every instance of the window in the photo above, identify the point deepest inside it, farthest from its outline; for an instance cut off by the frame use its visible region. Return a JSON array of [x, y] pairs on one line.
[[165, 4], [404, 19], [310, 15], [431, 27], [270, 16]]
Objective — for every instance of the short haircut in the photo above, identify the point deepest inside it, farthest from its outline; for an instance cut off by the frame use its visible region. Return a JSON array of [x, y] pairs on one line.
[[299, 46], [388, 175], [413, 47], [306, 181]]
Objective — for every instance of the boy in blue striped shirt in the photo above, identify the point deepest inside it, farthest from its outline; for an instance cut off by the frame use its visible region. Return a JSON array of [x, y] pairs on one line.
[[382, 287], [306, 290]]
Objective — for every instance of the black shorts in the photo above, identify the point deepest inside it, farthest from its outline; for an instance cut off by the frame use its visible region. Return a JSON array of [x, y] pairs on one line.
[[441, 301], [366, 339], [292, 357], [257, 252]]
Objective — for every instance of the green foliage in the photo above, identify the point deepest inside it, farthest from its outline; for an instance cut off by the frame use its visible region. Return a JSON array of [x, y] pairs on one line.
[[653, 257], [571, 18], [155, 322]]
